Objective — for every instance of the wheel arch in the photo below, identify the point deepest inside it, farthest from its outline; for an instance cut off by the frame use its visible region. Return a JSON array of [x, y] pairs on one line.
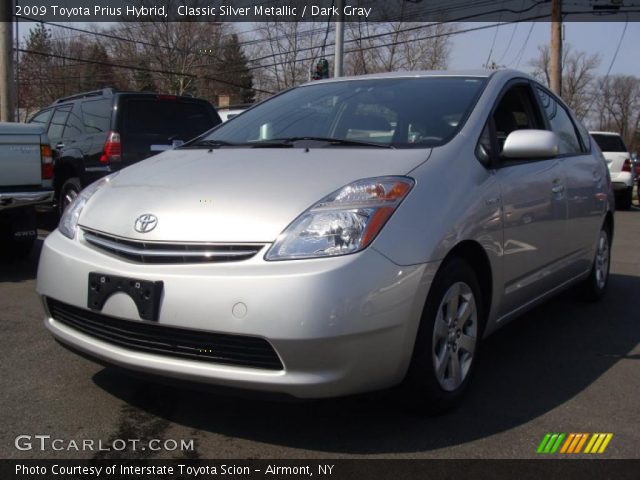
[[476, 256], [65, 168]]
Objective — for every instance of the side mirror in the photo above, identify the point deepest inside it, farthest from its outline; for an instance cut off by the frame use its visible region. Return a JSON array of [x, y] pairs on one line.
[[530, 144]]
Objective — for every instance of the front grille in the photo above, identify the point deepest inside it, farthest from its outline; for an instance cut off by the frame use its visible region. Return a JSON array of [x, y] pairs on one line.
[[238, 350], [169, 252]]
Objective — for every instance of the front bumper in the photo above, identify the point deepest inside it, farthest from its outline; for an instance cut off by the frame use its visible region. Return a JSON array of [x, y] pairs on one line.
[[23, 199], [339, 326]]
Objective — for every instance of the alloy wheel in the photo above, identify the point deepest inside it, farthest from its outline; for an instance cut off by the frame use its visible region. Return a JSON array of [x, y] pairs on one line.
[[455, 335]]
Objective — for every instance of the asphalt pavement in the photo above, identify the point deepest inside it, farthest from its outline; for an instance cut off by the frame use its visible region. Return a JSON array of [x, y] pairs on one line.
[[567, 367]]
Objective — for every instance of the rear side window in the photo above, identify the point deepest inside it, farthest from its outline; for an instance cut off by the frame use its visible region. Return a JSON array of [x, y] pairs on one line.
[[42, 117], [74, 126], [609, 143], [96, 115], [56, 127], [170, 119], [561, 123]]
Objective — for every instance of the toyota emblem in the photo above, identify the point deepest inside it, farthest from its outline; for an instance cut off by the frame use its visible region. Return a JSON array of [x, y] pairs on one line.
[[146, 222]]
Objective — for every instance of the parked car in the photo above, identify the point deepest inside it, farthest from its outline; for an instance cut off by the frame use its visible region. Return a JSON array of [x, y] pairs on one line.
[[26, 168], [99, 132], [619, 161], [229, 113], [297, 250]]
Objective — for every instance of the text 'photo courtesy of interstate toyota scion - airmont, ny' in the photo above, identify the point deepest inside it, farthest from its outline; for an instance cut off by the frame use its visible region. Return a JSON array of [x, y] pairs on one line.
[[343, 236]]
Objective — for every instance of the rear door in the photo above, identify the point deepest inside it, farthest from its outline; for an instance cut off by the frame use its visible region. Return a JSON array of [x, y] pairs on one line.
[[534, 204], [586, 186], [57, 125], [150, 124]]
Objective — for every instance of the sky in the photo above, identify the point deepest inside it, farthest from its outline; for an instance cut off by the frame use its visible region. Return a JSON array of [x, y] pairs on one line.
[[471, 50], [512, 49]]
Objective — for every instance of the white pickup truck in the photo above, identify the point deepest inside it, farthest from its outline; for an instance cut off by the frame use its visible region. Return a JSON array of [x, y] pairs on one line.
[[26, 169]]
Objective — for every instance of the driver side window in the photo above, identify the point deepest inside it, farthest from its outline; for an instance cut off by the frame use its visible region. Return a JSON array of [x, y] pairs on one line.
[[516, 110]]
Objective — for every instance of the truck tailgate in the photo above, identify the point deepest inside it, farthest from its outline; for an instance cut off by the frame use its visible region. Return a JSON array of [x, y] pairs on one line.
[[20, 160]]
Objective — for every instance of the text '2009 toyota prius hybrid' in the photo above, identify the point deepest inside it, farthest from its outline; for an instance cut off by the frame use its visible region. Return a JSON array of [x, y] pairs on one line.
[[343, 236]]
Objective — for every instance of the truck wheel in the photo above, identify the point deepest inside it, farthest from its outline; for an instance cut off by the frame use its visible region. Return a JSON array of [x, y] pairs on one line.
[[69, 191]]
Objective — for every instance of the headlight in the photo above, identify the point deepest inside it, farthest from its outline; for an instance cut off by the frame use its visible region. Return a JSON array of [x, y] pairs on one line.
[[344, 222], [69, 221]]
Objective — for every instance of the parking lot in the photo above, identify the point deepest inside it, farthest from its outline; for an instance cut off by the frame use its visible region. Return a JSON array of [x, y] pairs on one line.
[[565, 367]]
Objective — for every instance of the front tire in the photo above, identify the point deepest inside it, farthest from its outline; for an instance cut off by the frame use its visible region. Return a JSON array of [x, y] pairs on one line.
[[445, 351], [68, 192]]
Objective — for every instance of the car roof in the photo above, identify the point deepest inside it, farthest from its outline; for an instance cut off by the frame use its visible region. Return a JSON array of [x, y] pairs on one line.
[[504, 74], [611, 134], [112, 93]]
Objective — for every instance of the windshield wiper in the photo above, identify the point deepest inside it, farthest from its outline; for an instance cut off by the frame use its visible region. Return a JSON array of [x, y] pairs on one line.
[[211, 144], [288, 141]]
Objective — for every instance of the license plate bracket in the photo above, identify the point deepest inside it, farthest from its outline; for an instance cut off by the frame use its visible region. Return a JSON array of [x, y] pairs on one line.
[[144, 293]]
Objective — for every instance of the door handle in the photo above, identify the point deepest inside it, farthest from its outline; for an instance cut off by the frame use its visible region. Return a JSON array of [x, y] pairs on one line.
[[59, 145]]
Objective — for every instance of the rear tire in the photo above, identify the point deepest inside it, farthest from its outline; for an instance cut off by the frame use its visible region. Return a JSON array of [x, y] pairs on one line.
[[68, 192], [446, 347], [624, 201], [595, 286], [22, 249], [16, 250]]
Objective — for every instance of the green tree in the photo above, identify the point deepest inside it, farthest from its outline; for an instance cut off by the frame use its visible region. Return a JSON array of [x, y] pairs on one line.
[[97, 72], [233, 68], [36, 87], [144, 81]]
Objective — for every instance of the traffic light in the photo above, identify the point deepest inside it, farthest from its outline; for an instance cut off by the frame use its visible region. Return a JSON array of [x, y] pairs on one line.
[[321, 70]]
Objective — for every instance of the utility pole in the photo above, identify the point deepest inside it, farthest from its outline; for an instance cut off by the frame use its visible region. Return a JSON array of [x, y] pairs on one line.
[[339, 56], [6, 62], [555, 69]]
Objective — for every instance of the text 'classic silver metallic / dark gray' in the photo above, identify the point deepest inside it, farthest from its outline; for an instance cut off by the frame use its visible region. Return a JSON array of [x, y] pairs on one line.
[[340, 237]]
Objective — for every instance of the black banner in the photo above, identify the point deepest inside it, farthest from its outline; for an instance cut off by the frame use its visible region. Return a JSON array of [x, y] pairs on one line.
[[564, 469], [320, 10]]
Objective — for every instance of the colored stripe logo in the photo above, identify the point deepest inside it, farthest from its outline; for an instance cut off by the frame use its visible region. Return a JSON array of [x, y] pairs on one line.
[[592, 443]]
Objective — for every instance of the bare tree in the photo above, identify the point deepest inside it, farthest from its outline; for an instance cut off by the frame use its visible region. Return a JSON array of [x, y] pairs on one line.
[[168, 49], [618, 106], [286, 52], [393, 46], [578, 75]]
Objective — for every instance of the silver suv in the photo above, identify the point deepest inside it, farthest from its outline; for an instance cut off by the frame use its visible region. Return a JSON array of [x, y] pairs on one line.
[[343, 236]]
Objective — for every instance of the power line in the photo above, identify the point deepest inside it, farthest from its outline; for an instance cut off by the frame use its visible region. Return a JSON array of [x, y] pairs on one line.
[[520, 53], [615, 55], [373, 47], [141, 69]]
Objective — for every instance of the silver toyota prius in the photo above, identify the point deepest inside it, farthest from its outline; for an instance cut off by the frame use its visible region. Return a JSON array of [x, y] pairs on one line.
[[343, 236]]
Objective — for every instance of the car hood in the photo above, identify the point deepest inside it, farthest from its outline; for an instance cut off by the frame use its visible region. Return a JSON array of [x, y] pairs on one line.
[[232, 195]]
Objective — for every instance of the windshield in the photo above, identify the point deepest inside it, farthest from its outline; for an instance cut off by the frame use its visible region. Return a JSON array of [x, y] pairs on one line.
[[609, 143], [395, 112]]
